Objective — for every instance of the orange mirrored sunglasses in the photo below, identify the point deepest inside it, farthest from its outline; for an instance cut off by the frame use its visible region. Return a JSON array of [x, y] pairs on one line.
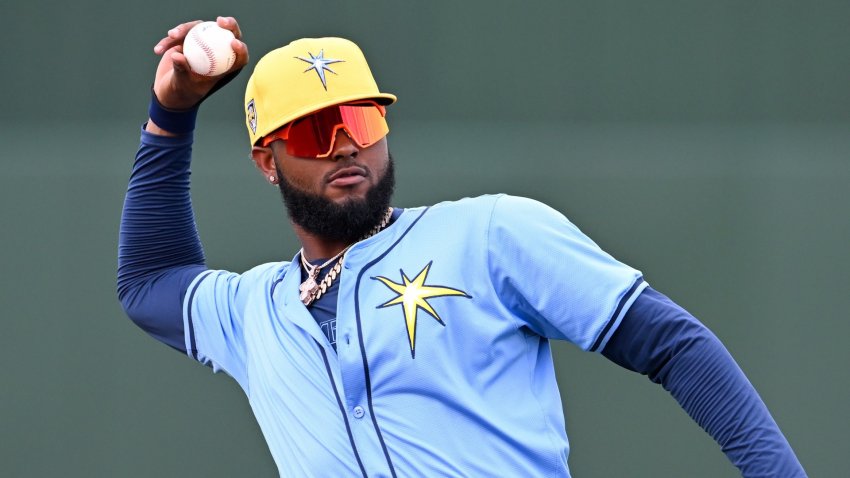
[[313, 136]]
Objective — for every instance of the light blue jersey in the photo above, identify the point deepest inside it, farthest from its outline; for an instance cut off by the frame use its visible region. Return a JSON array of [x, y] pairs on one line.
[[443, 365]]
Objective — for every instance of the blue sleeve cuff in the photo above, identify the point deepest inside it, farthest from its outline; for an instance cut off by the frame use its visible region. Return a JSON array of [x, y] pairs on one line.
[[173, 121]]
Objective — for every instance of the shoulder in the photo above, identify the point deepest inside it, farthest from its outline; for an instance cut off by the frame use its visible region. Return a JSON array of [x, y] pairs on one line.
[[260, 275], [522, 207], [488, 203], [502, 209], [267, 271], [493, 211]]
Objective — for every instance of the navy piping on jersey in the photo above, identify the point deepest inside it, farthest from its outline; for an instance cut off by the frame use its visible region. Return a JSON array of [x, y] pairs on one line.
[[341, 408], [367, 378], [193, 348], [274, 285], [628, 295]]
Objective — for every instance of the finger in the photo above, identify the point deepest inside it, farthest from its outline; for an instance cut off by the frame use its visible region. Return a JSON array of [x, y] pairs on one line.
[[179, 32], [231, 24], [241, 50], [175, 36], [163, 45], [166, 44]]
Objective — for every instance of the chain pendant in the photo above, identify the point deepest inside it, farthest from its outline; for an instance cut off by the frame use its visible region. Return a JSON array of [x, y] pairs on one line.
[[309, 288]]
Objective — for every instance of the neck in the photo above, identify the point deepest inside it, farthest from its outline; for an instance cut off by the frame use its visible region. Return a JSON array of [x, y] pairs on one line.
[[316, 247]]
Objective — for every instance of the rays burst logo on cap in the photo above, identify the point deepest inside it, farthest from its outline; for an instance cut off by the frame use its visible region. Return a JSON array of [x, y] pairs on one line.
[[320, 64]]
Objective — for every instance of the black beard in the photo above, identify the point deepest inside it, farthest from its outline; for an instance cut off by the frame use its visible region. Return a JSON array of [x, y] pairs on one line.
[[346, 222]]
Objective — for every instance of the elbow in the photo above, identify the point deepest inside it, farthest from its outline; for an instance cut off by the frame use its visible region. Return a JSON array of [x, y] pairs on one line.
[[129, 290], [154, 302], [132, 298]]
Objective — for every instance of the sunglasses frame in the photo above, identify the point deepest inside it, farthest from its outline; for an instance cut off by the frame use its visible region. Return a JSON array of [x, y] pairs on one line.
[[282, 133]]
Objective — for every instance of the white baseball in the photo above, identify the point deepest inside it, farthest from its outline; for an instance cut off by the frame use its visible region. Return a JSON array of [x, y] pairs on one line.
[[207, 48]]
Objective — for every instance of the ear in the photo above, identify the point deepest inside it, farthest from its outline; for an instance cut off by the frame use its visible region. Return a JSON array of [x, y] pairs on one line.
[[264, 161]]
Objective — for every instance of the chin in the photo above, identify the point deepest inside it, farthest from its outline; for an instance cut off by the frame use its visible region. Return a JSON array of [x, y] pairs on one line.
[[344, 195]]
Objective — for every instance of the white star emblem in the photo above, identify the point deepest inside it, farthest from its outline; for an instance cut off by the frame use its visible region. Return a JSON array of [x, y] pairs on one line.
[[320, 64]]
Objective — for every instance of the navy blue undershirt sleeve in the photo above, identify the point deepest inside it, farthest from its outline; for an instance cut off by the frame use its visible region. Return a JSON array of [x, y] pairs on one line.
[[659, 339], [159, 251]]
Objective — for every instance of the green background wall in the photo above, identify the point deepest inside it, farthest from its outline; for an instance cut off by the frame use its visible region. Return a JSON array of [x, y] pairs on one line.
[[705, 143]]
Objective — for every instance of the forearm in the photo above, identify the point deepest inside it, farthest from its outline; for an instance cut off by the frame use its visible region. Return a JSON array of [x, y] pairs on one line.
[[159, 248], [663, 341]]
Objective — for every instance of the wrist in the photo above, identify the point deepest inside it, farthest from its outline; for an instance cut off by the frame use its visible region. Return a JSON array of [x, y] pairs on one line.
[[170, 122]]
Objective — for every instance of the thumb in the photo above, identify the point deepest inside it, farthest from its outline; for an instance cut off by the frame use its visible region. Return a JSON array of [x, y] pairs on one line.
[[179, 63]]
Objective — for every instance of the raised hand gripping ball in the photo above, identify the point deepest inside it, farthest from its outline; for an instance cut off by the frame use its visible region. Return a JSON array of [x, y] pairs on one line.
[[207, 49]]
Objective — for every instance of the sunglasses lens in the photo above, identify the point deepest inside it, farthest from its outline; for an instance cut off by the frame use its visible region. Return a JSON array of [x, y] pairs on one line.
[[313, 136], [365, 124]]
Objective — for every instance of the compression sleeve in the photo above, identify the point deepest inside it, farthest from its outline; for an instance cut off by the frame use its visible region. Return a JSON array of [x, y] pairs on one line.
[[159, 251], [659, 339]]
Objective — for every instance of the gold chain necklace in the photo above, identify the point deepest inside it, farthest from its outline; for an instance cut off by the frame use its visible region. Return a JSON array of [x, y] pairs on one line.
[[312, 290]]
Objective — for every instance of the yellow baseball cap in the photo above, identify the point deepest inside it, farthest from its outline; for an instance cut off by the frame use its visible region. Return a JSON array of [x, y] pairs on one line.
[[305, 76]]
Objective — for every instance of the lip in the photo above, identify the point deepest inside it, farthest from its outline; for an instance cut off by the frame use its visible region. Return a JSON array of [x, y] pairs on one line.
[[348, 176]]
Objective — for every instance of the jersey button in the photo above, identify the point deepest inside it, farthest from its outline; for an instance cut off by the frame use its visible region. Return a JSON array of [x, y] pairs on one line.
[[359, 412]]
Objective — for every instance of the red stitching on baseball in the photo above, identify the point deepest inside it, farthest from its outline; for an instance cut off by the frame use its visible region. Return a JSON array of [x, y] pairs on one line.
[[207, 50]]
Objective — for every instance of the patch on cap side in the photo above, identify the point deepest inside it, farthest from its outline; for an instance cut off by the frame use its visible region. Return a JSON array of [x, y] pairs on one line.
[[251, 114]]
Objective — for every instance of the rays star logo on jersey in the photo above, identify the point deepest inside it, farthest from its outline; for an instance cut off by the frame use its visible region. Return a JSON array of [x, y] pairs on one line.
[[413, 295], [320, 64]]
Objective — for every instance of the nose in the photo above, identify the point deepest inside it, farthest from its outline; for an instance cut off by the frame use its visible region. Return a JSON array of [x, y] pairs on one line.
[[344, 147]]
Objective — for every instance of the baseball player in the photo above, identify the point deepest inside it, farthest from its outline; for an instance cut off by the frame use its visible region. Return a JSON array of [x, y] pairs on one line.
[[398, 342]]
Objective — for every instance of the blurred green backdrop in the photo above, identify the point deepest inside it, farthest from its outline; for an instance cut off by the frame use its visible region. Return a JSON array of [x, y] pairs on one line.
[[705, 143]]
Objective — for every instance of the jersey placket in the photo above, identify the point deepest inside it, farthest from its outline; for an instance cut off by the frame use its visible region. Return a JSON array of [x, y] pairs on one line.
[[344, 373], [352, 365]]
